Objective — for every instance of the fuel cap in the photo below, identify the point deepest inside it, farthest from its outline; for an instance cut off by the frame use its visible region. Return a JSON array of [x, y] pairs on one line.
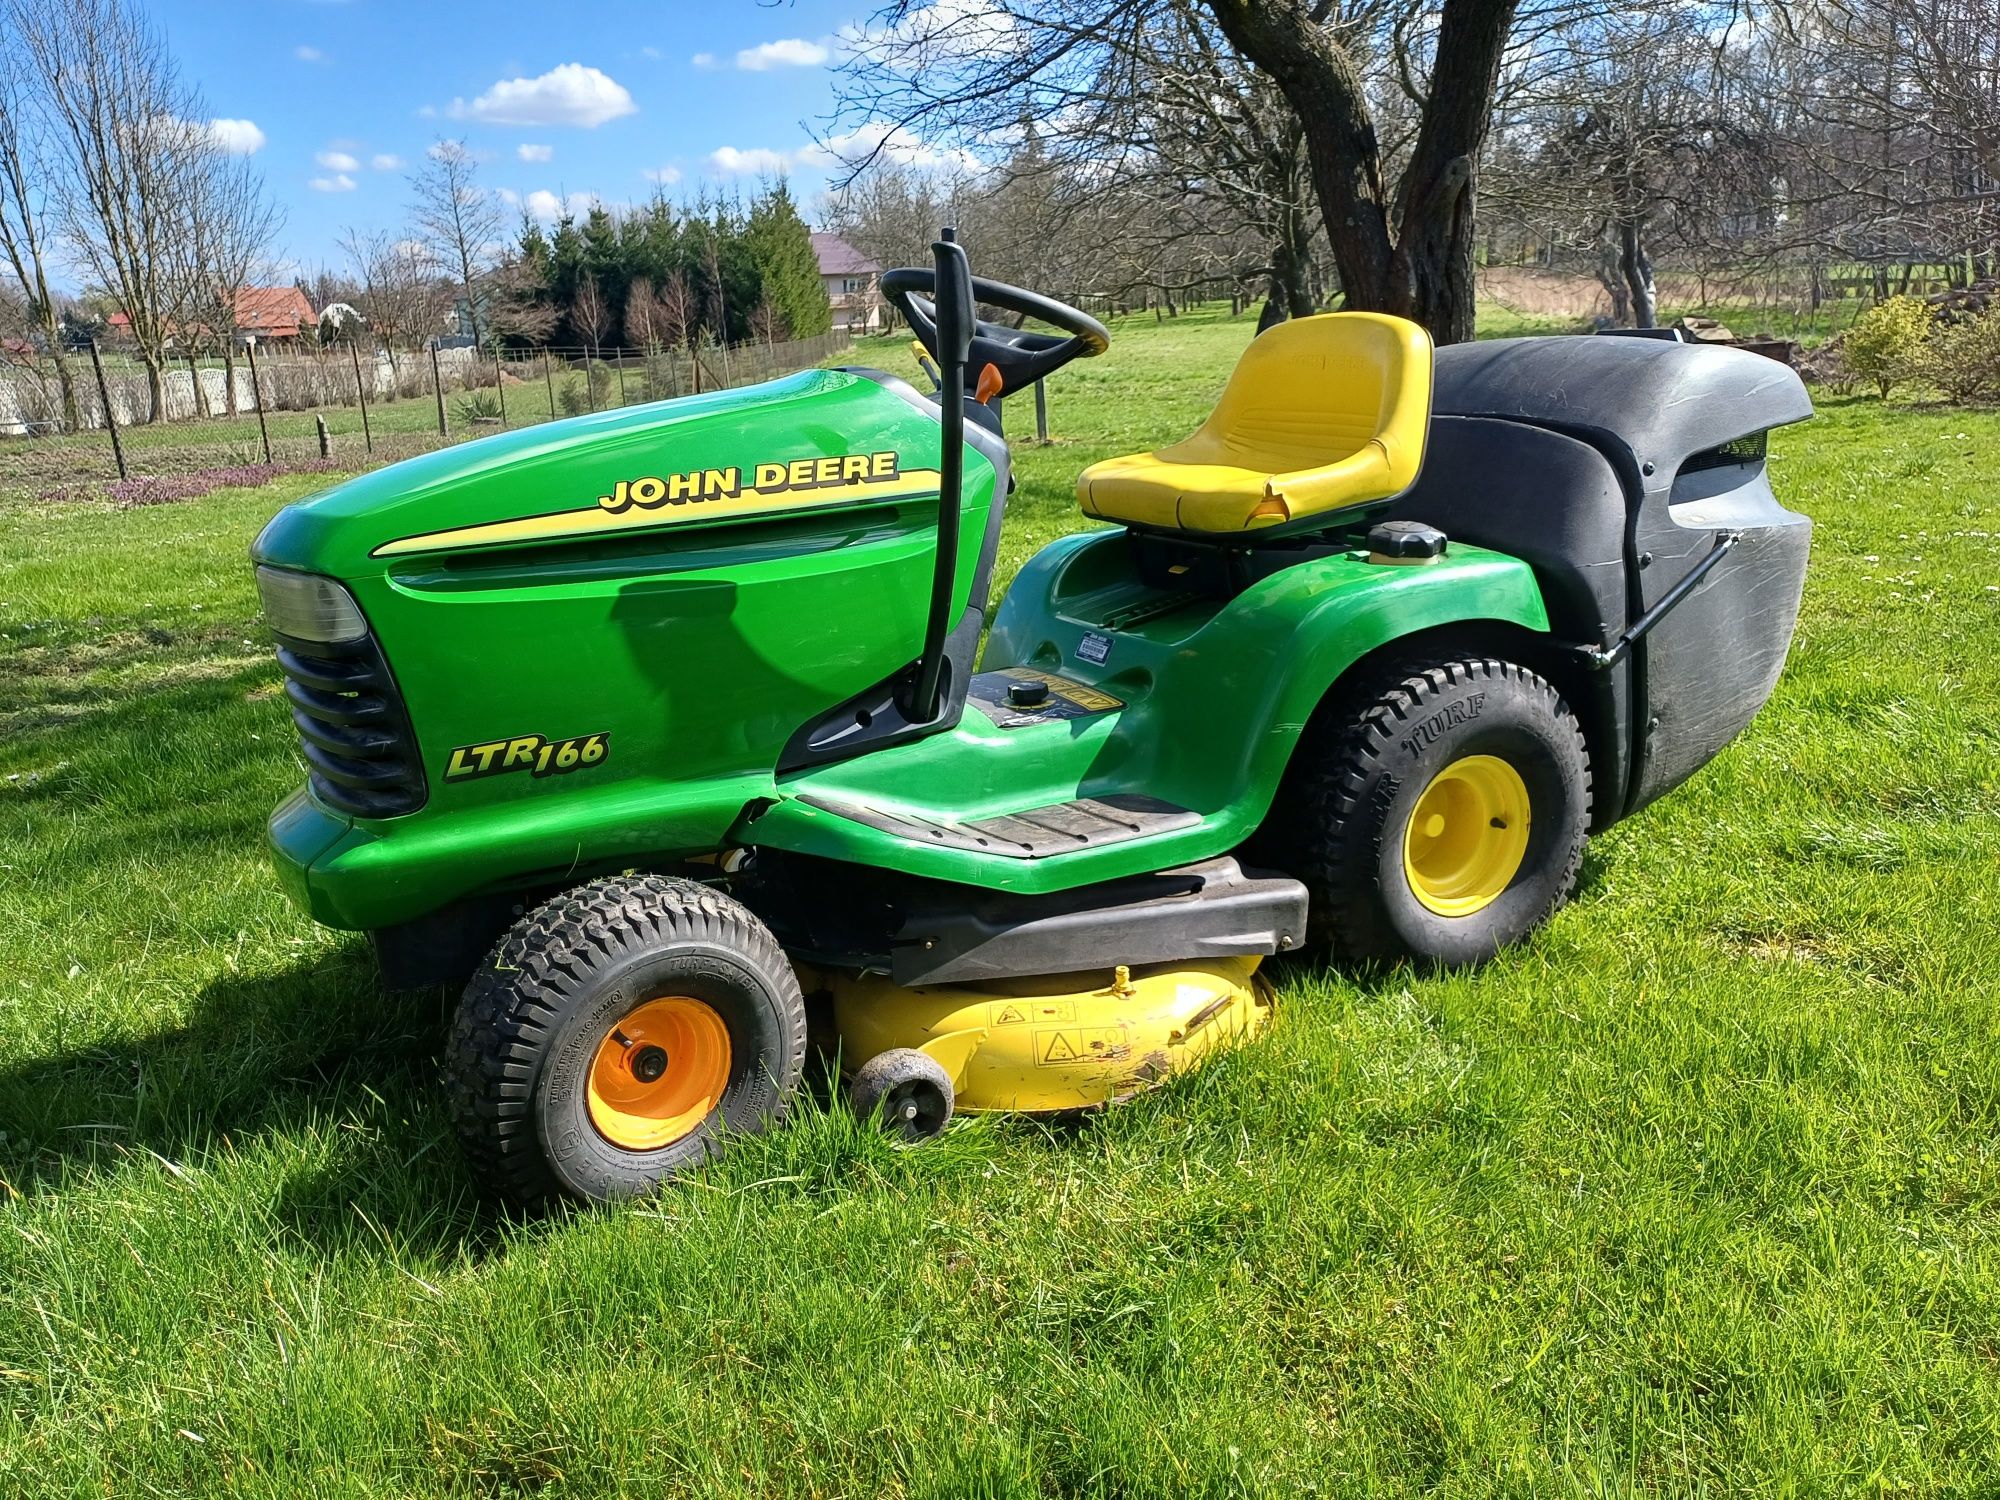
[[1028, 693], [1405, 542]]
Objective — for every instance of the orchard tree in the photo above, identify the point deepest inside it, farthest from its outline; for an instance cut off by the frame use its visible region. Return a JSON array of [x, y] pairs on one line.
[[1401, 240]]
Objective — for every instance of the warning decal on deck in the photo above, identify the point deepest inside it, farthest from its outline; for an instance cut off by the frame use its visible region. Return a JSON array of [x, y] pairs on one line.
[[1018, 1012], [1074, 1044]]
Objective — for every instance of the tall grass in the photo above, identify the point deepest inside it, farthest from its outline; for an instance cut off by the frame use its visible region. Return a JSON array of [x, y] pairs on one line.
[[1697, 1192]]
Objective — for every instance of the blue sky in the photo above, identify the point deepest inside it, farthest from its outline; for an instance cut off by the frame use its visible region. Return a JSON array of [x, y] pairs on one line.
[[601, 98]]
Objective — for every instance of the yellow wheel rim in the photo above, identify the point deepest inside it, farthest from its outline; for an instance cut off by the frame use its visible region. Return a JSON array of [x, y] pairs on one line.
[[658, 1073], [1467, 836]]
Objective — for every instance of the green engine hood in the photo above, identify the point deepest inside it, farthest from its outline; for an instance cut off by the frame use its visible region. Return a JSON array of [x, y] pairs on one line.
[[818, 439]]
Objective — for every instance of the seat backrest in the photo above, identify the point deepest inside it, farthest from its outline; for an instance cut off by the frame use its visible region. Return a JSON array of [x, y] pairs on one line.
[[1313, 390]]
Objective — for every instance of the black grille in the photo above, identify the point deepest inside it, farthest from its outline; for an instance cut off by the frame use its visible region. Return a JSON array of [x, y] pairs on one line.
[[1745, 450], [352, 727]]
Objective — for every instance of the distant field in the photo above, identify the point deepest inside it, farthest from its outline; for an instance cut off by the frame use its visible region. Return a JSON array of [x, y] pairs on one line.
[[81, 464], [1696, 1193]]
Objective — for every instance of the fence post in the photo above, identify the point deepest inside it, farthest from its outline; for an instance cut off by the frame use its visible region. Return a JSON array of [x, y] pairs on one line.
[[1041, 415], [500, 383], [195, 394], [361, 393], [549, 374], [110, 421], [590, 379], [437, 384], [257, 400], [325, 442]]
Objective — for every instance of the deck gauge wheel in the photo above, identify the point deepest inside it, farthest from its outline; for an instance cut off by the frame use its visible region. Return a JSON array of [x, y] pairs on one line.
[[907, 1090]]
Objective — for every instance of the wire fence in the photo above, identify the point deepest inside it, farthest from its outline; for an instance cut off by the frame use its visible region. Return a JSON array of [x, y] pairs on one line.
[[100, 421]]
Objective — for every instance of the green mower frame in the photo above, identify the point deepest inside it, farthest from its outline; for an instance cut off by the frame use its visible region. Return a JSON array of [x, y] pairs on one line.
[[663, 724]]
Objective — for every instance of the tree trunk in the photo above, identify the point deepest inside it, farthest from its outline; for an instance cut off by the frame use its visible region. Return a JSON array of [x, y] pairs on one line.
[[229, 379], [1425, 272], [156, 388], [1291, 264], [1637, 268], [1612, 279], [72, 413]]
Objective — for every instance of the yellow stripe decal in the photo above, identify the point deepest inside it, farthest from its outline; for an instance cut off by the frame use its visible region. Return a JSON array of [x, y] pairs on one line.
[[595, 520]]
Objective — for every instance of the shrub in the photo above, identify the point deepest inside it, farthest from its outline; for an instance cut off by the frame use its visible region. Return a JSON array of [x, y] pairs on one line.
[[478, 406], [1886, 343], [571, 396], [1963, 358]]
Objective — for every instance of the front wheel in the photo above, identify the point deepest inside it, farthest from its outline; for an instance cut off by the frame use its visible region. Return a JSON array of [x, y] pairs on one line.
[[1441, 814], [616, 1034]]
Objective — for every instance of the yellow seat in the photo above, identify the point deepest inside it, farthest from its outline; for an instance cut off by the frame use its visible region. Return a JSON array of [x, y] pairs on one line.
[[1320, 414]]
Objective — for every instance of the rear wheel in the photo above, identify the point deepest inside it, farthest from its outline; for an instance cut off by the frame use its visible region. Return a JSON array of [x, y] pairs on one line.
[[616, 1034], [1441, 813]]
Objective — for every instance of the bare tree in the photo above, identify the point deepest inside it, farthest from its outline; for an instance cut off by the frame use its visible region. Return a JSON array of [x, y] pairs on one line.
[[588, 312], [517, 308], [403, 294], [457, 218], [767, 323], [228, 225], [1620, 140], [1406, 248], [127, 131], [645, 316], [25, 225], [678, 313]]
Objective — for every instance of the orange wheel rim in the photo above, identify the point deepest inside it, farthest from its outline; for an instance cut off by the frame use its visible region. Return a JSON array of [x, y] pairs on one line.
[[658, 1073]]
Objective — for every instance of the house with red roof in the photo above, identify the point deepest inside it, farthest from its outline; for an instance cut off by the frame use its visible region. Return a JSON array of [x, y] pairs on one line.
[[267, 314], [273, 314], [853, 284]]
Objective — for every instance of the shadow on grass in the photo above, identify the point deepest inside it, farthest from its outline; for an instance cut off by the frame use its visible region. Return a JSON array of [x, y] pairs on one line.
[[316, 1064]]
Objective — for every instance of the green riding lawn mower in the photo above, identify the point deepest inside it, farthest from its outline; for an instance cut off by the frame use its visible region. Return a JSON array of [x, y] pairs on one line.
[[671, 727]]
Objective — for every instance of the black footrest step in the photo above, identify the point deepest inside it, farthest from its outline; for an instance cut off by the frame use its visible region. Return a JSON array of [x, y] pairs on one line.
[[1034, 833]]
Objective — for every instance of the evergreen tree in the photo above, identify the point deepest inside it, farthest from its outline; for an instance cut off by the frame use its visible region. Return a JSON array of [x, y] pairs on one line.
[[780, 247], [747, 275]]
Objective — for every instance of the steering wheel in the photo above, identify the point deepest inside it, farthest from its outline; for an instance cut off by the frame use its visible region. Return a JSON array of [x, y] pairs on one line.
[[1021, 357]]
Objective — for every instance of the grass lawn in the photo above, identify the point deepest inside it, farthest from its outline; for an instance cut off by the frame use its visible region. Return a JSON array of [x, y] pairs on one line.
[[1698, 1191]]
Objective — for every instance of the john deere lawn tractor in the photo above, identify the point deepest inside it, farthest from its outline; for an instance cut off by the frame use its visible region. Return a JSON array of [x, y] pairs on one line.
[[671, 726]]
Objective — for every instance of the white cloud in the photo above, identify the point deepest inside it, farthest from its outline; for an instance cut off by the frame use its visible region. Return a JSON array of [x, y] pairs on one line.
[[337, 161], [791, 52], [651, 54], [548, 206], [703, 59], [340, 182], [385, 161], [237, 137], [527, 151], [883, 142], [571, 94], [308, 54], [756, 161], [664, 176], [943, 31]]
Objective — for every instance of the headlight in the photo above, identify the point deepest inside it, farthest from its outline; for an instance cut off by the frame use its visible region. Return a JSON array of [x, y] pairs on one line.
[[309, 608]]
